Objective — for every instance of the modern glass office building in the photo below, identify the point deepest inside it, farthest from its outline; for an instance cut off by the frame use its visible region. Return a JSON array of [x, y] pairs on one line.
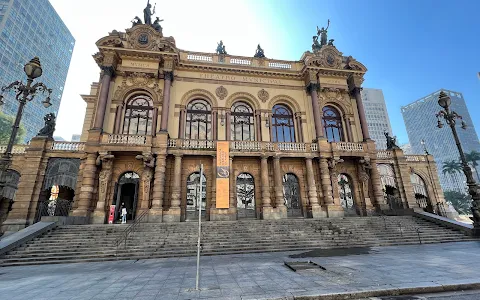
[[377, 116], [30, 28], [421, 124]]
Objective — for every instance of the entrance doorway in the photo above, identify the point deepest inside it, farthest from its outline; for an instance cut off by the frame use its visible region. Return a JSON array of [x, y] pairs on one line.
[[291, 195], [346, 195], [193, 195], [127, 194], [245, 196]]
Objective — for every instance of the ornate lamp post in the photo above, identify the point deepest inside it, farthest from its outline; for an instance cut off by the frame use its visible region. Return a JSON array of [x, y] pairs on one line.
[[424, 147], [24, 94], [473, 189]]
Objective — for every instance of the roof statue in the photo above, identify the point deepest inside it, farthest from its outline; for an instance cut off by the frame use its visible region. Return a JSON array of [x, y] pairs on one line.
[[322, 34], [49, 127], [221, 48], [391, 142], [259, 53], [136, 21], [316, 45], [147, 13], [156, 25]]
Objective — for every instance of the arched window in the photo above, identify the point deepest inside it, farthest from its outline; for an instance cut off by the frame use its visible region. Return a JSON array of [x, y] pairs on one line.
[[332, 124], [138, 116], [199, 121], [242, 122], [283, 128]]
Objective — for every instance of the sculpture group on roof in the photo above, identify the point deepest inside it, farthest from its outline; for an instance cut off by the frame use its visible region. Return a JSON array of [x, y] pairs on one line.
[[147, 17], [322, 34], [259, 53], [221, 48]]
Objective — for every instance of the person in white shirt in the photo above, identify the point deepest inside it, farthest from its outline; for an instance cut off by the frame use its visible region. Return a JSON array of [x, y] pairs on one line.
[[124, 213]]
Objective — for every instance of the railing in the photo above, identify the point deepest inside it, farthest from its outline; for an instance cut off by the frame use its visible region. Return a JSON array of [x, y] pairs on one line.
[[130, 229], [415, 158], [384, 154], [68, 146], [127, 139], [295, 147], [197, 144], [246, 146], [18, 149], [279, 65], [199, 57], [243, 146], [351, 147], [314, 147], [54, 208], [238, 61]]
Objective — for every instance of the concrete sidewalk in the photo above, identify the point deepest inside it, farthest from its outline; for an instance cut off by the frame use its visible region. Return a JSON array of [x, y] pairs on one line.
[[252, 276]]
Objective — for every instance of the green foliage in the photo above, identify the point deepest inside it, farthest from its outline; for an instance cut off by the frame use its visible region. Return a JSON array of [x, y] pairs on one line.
[[460, 201], [473, 158], [6, 123], [451, 167]]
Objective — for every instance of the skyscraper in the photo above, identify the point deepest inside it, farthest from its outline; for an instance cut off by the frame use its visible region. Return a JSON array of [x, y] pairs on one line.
[[377, 116], [421, 123], [30, 28]]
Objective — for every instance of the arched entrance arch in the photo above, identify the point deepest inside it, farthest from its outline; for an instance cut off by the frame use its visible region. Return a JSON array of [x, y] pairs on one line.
[[390, 188], [10, 179], [193, 195], [58, 190], [126, 194], [421, 193], [347, 198], [245, 196], [291, 195]]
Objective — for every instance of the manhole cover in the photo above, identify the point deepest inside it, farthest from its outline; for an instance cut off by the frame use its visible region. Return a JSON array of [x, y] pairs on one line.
[[303, 265]]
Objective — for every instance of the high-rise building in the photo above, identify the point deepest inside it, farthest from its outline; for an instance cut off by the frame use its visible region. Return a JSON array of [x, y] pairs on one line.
[[28, 29], [377, 116], [76, 137], [407, 149], [421, 124]]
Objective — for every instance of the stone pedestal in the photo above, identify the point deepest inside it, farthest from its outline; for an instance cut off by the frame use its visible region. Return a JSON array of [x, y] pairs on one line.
[[98, 217], [223, 214], [319, 212], [335, 211], [270, 213], [155, 215], [172, 215]]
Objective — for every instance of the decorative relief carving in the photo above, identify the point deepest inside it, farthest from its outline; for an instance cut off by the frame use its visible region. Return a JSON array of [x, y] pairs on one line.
[[353, 64], [263, 95], [221, 92], [327, 57], [141, 81], [337, 96]]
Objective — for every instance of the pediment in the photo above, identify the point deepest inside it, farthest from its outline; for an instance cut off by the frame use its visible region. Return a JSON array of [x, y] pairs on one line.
[[145, 37], [327, 57]]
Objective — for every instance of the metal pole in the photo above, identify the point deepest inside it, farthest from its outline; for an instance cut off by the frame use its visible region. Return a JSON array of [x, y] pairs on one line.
[[199, 203]]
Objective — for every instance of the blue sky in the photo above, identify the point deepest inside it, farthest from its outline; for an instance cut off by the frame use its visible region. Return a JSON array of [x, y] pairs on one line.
[[411, 48]]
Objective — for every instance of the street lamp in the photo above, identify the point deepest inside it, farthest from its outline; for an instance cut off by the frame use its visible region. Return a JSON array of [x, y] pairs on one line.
[[24, 94], [450, 118], [424, 146]]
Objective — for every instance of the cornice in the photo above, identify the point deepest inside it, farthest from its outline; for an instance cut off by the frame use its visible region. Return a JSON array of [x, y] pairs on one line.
[[232, 69]]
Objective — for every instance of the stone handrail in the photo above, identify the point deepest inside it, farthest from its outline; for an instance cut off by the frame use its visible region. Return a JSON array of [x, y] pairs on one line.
[[17, 149], [68, 146], [192, 144], [351, 147], [127, 139], [384, 154], [243, 146], [415, 158]]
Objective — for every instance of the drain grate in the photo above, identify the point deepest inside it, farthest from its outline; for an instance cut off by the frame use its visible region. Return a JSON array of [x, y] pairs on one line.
[[303, 265]]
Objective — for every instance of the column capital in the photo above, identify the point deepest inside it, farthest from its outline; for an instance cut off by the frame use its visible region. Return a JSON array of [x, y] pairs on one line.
[[178, 155], [312, 87], [107, 70], [168, 75], [355, 83], [264, 156]]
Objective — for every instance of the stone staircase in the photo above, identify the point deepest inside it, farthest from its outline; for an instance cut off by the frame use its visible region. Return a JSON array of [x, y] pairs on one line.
[[90, 243]]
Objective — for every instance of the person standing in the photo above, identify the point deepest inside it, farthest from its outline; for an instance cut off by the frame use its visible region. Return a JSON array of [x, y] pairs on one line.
[[124, 213]]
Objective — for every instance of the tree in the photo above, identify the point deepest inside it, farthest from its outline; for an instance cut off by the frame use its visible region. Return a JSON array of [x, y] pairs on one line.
[[472, 158], [452, 167], [6, 123], [461, 202]]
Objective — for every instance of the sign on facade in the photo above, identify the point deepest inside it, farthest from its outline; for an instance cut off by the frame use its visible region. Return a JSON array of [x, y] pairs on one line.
[[223, 175]]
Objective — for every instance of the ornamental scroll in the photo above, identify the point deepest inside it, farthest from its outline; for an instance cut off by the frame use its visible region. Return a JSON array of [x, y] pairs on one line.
[[223, 175]]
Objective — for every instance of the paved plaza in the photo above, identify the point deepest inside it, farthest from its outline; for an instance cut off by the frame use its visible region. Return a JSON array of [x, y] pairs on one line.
[[248, 276]]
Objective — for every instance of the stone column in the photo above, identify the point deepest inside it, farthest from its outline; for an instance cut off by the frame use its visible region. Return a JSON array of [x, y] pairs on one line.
[[280, 211], [88, 185], [377, 186], [312, 87], [183, 114], [118, 119], [107, 72], [174, 213], [154, 121], [258, 125], [312, 190], [228, 126], [104, 179], [354, 85], [214, 125], [298, 118], [266, 202], [213, 202], [328, 201], [168, 79], [158, 194], [348, 126], [147, 176]]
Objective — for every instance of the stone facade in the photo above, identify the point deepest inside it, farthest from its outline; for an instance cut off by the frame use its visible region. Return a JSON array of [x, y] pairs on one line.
[[157, 113]]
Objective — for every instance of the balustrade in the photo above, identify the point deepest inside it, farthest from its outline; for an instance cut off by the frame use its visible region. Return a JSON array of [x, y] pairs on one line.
[[18, 149], [384, 155], [244, 146], [238, 61], [68, 146], [279, 65], [199, 57], [127, 139], [351, 147], [415, 158]]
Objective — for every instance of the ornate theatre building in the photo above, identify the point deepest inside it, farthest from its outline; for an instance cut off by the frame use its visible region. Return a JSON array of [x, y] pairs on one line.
[[277, 139]]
